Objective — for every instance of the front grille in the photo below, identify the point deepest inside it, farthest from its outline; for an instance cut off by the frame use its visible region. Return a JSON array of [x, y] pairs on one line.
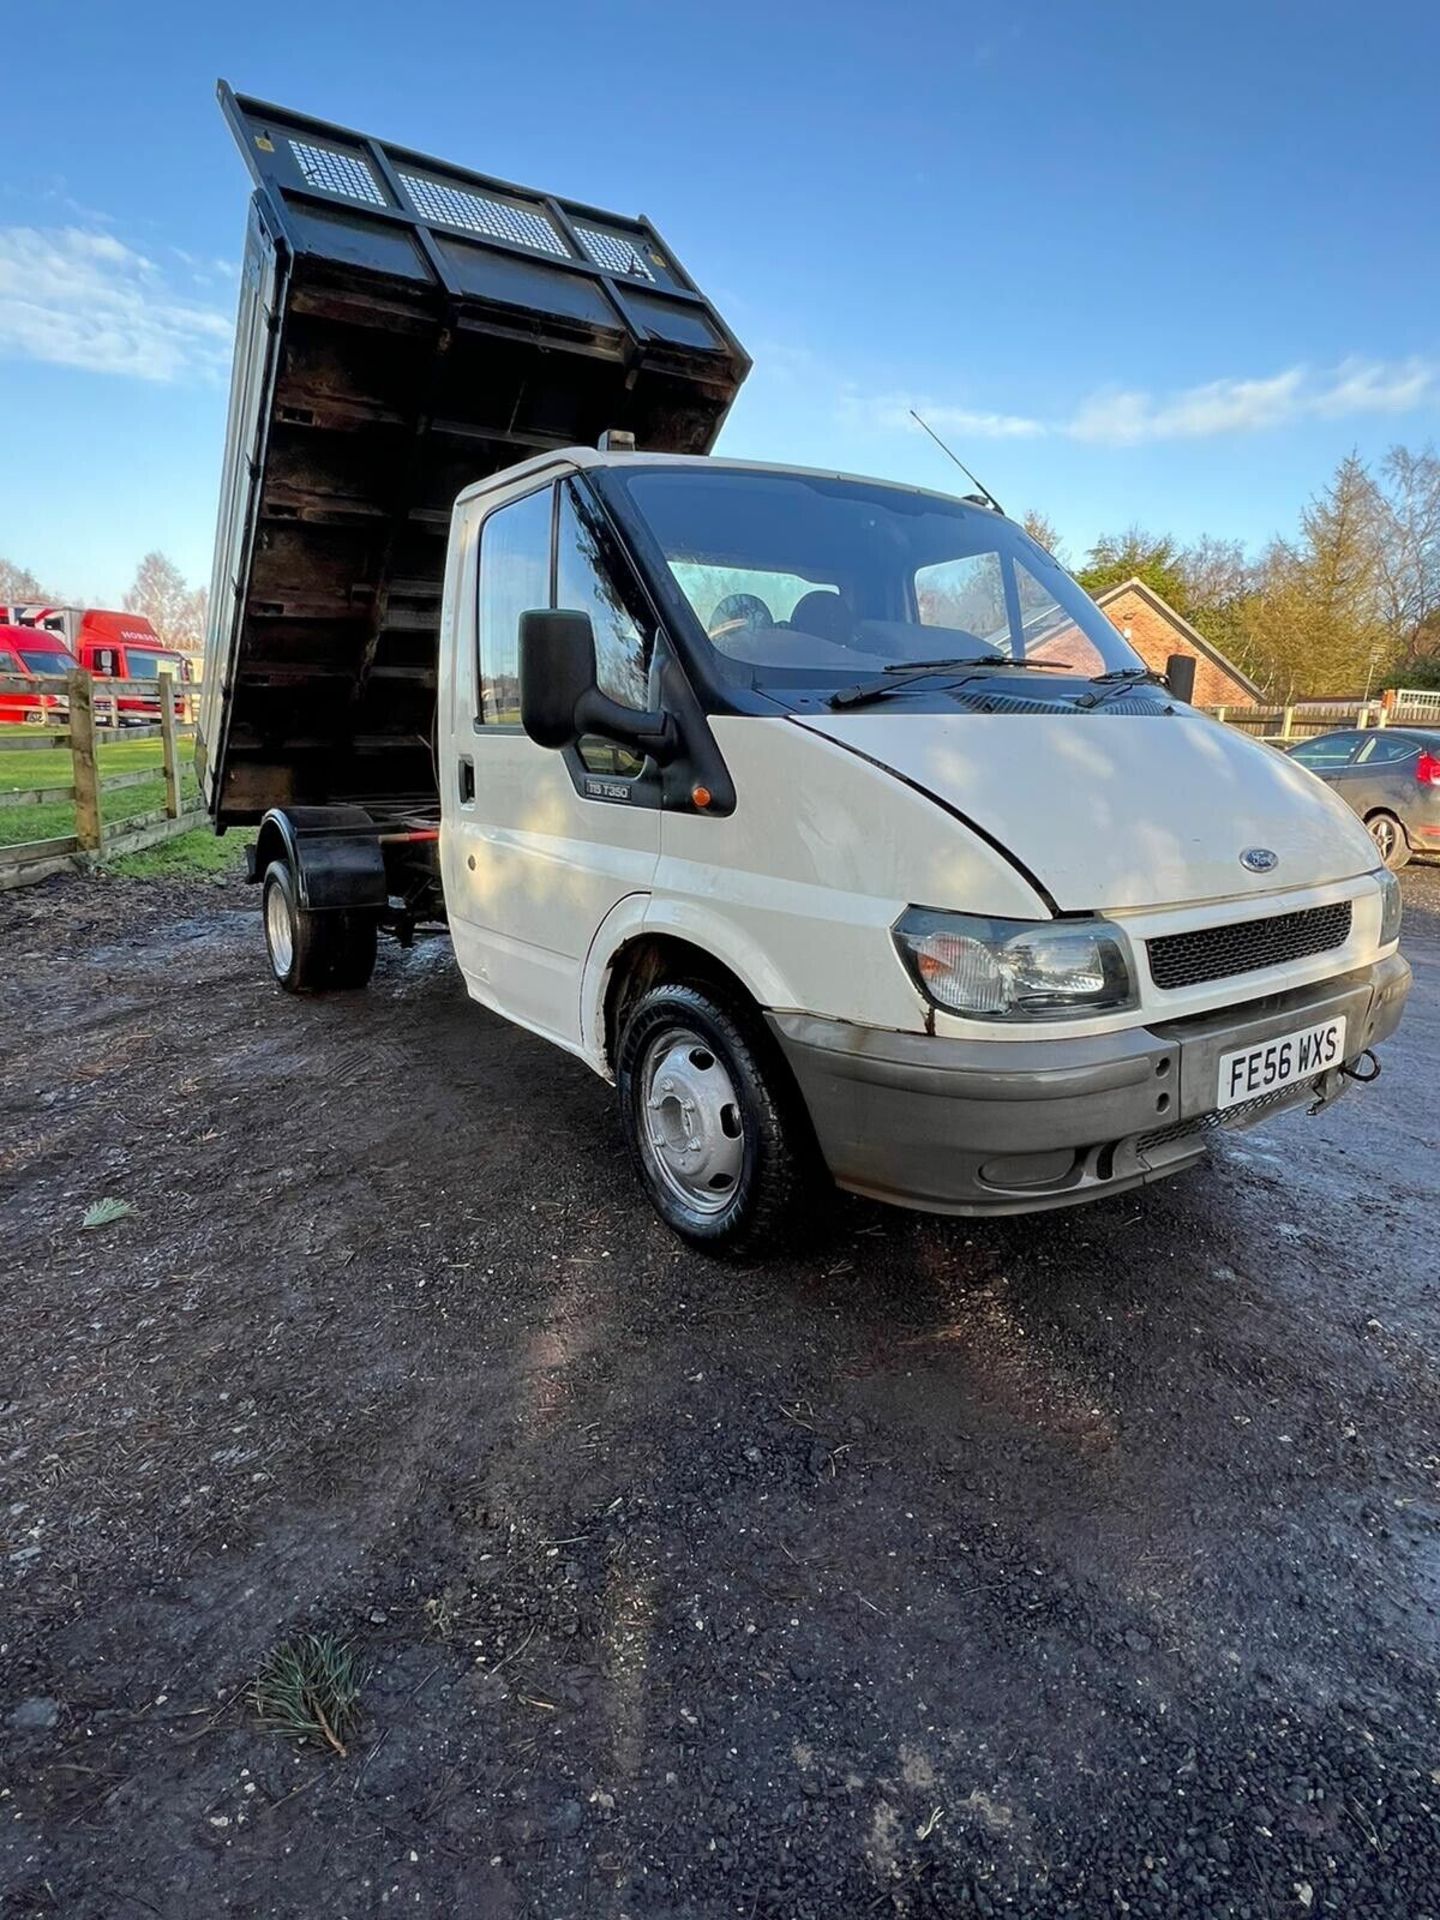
[[1245, 946], [1240, 1115]]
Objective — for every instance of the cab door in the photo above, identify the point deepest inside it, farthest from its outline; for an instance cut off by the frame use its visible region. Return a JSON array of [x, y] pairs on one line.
[[537, 847]]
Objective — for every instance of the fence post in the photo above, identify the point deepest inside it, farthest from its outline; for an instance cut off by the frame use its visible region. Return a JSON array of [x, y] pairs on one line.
[[1287, 724], [168, 753], [1220, 713], [1362, 717], [89, 829]]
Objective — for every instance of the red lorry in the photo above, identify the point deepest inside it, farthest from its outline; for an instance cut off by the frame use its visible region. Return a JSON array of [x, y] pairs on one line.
[[112, 646]]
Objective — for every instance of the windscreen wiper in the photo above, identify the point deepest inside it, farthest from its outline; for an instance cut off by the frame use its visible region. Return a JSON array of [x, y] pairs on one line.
[[905, 672], [1120, 680]]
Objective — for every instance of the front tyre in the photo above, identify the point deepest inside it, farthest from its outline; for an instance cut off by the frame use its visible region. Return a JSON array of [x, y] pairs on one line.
[[715, 1129]]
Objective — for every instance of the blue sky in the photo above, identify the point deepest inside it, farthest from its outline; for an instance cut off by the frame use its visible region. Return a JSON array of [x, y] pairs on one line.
[[1135, 262]]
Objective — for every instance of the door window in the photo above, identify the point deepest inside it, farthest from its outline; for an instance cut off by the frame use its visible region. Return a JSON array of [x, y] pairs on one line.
[[514, 579], [591, 576], [1331, 750], [1388, 750]]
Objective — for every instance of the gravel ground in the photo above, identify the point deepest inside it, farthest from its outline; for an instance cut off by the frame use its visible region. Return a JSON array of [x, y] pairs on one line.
[[1081, 1565]]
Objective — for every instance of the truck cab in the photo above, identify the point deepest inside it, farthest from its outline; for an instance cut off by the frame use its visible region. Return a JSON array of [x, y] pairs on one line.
[[38, 657], [124, 646], [831, 817]]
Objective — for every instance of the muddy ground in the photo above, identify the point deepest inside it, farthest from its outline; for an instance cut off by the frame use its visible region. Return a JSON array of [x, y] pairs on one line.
[[1082, 1565]]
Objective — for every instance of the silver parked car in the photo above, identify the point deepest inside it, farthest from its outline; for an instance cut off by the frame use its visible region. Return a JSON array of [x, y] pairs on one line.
[[1390, 777]]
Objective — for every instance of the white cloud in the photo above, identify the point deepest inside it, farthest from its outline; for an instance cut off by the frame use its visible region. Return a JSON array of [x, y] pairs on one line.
[[1370, 386], [1221, 406], [888, 411], [1126, 417], [79, 298]]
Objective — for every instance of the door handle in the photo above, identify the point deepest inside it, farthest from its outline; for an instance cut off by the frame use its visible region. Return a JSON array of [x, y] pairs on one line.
[[467, 778]]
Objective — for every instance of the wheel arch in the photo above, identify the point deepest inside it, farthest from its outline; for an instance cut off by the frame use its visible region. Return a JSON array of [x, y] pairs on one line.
[[334, 853], [640, 932]]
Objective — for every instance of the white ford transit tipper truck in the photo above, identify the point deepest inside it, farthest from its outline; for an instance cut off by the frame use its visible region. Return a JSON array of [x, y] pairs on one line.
[[829, 819]]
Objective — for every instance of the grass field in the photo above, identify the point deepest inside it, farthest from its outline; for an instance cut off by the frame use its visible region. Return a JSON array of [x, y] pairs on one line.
[[22, 771], [200, 852]]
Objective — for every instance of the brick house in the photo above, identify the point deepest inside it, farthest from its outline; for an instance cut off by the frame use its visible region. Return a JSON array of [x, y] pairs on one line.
[[1155, 630]]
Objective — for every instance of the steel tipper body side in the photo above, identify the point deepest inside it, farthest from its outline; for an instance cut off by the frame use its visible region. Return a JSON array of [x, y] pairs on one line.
[[405, 327]]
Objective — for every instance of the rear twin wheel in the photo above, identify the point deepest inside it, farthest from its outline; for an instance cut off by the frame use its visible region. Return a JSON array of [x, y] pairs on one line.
[[714, 1127], [313, 952]]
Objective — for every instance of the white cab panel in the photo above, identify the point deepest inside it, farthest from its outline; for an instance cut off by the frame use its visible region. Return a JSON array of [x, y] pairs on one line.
[[797, 890]]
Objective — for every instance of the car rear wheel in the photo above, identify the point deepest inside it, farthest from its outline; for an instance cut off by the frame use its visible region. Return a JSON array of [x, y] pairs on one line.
[[1390, 840], [716, 1131]]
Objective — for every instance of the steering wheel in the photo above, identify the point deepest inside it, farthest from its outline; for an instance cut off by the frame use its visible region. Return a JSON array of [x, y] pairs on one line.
[[738, 613]]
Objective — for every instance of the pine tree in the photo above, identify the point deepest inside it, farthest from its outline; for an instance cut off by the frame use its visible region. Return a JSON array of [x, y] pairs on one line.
[[1343, 615]]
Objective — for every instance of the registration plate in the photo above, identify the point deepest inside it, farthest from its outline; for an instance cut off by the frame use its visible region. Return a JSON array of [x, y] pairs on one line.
[[1285, 1062]]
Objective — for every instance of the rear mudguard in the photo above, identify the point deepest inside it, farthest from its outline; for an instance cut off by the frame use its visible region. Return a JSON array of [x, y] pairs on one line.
[[334, 853]]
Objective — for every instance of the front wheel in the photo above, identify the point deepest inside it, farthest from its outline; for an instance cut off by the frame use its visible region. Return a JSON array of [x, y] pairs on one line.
[[717, 1133], [1390, 841]]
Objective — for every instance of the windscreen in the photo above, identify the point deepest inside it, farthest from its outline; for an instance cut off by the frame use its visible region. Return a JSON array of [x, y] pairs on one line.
[[807, 580], [149, 666], [56, 665]]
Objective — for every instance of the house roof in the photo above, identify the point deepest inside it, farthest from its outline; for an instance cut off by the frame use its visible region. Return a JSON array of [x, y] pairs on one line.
[[1182, 626]]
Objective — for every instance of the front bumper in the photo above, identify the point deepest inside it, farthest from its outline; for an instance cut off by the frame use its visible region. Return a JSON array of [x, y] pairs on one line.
[[1015, 1126]]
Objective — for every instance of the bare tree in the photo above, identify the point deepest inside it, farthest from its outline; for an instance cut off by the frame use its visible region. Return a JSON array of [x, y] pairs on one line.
[[175, 610], [1041, 530], [18, 583], [1219, 577], [1409, 553], [1217, 573]]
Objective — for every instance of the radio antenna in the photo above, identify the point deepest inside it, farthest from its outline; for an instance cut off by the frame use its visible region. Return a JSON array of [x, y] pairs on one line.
[[985, 492]]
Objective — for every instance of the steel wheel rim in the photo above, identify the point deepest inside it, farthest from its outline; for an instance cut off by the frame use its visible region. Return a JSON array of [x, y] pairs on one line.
[[691, 1131], [279, 936], [1385, 834]]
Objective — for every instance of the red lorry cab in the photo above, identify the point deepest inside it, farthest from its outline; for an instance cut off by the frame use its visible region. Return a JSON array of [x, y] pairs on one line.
[[44, 659], [124, 646]]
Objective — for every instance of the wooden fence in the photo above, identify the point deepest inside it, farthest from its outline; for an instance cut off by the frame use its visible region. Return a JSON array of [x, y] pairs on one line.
[[1302, 721], [92, 723]]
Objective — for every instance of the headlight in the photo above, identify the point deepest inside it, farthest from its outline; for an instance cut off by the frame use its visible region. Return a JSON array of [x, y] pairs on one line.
[[1390, 904], [1016, 969]]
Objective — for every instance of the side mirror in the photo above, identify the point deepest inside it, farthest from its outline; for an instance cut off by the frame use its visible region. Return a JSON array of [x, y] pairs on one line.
[[560, 701], [557, 670], [1180, 676]]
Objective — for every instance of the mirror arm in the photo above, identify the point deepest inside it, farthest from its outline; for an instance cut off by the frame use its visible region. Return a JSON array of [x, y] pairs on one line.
[[655, 734]]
